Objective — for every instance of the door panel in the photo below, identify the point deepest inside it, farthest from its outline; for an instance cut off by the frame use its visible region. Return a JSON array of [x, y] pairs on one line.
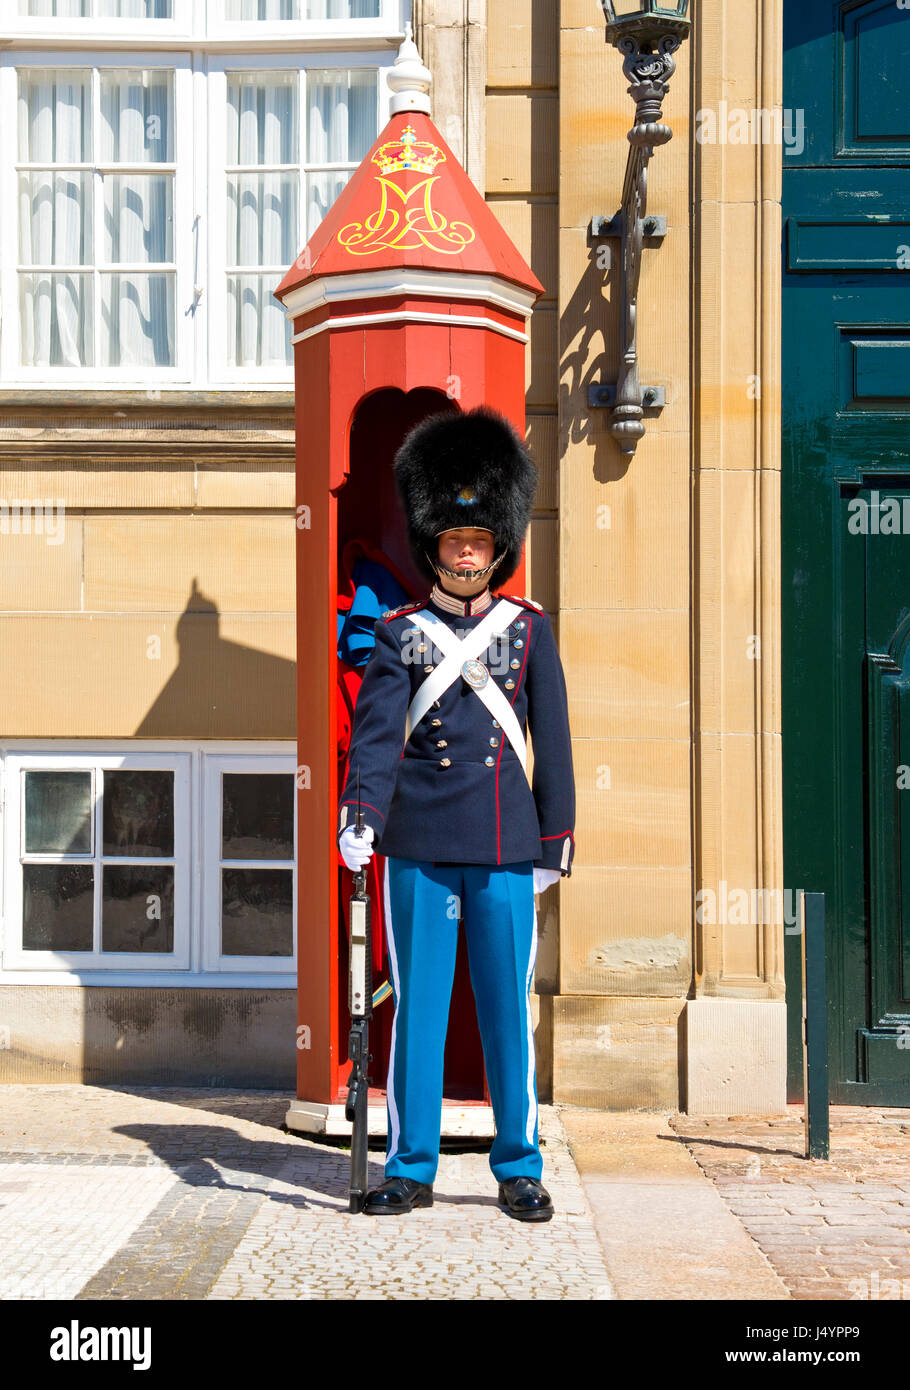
[[845, 68], [846, 585]]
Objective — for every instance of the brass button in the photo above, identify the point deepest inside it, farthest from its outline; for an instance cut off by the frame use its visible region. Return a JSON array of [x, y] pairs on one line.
[[421, 646], [520, 623], [428, 668], [495, 723], [435, 723], [510, 685], [436, 705], [519, 642], [494, 742], [489, 761], [445, 762], [442, 743], [515, 664]]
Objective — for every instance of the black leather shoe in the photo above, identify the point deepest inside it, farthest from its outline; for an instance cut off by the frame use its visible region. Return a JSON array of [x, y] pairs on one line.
[[396, 1196], [526, 1198]]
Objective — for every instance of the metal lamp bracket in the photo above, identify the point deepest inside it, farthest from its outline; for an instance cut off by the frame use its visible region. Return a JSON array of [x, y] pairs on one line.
[[652, 228], [647, 43]]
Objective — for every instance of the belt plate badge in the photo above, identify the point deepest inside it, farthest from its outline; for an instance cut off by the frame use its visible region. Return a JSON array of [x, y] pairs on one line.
[[475, 673]]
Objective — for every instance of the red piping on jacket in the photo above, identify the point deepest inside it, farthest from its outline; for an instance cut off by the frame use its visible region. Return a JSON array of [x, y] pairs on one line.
[[352, 802]]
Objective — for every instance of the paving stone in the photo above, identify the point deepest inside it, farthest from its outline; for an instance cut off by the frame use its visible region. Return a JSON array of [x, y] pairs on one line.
[[826, 1222]]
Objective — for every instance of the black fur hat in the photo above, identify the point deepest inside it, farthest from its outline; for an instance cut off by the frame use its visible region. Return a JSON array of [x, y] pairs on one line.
[[467, 468]]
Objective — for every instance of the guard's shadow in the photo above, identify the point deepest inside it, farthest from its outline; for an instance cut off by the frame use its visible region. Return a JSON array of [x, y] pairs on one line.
[[196, 1153]]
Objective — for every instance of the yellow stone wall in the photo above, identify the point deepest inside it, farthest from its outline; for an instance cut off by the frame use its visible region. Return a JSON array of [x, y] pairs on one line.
[[661, 570], [163, 607]]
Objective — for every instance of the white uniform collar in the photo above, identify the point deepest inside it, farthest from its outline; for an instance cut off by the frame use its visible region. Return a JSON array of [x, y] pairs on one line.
[[465, 608]]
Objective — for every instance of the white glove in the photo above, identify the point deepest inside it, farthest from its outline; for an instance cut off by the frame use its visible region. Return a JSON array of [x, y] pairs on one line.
[[544, 877], [356, 850]]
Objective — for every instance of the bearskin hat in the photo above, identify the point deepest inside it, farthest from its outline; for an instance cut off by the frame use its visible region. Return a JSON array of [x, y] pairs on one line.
[[466, 469]]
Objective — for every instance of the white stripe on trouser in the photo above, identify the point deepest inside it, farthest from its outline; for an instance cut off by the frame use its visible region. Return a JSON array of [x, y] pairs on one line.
[[394, 1124], [532, 1102]]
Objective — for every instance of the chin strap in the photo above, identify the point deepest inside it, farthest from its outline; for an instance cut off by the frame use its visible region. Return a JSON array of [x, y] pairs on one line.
[[469, 575]]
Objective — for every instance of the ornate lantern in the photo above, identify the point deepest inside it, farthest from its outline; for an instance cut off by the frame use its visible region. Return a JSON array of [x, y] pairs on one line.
[[645, 19]]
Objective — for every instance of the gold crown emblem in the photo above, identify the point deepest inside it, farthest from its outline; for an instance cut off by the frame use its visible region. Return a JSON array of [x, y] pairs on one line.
[[408, 153]]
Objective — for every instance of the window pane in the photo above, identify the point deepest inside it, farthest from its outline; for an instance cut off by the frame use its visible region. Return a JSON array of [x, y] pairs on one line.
[[322, 190], [261, 9], [262, 219], [300, 9], [134, 9], [139, 218], [56, 320], [137, 907], [55, 115], [256, 912], [55, 218], [341, 114], [104, 9], [137, 115], [58, 813], [262, 112], [57, 907], [342, 9], [137, 318], [138, 815], [258, 332], [257, 819], [57, 9]]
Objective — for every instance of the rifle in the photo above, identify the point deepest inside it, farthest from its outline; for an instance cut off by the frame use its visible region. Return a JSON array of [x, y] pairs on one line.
[[360, 1006]]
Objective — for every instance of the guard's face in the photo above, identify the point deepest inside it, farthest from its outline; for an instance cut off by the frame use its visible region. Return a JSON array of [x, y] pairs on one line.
[[466, 548]]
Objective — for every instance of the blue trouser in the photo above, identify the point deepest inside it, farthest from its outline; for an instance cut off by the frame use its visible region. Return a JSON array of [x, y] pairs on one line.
[[423, 904]]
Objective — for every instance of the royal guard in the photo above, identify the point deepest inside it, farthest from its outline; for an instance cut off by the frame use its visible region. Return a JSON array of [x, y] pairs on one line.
[[453, 683]]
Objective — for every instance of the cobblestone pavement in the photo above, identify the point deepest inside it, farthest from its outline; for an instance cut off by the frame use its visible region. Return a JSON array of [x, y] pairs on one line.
[[113, 1193], [164, 1193], [835, 1228]]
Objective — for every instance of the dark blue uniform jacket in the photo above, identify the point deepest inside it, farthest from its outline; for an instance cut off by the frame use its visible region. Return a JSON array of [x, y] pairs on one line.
[[456, 791]]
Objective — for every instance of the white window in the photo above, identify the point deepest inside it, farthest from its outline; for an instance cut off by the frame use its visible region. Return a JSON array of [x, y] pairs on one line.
[[150, 866], [162, 194]]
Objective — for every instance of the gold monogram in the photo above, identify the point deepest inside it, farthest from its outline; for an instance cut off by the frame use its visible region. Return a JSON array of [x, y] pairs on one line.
[[395, 226]]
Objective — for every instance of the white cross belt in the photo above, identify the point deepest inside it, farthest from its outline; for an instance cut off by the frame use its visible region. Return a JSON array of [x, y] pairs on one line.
[[457, 651]]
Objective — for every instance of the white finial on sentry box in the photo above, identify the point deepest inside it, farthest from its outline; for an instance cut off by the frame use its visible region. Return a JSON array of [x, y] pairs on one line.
[[409, 79]]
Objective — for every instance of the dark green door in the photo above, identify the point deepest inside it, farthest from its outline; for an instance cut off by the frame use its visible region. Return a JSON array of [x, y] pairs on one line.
[[846, 527]]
